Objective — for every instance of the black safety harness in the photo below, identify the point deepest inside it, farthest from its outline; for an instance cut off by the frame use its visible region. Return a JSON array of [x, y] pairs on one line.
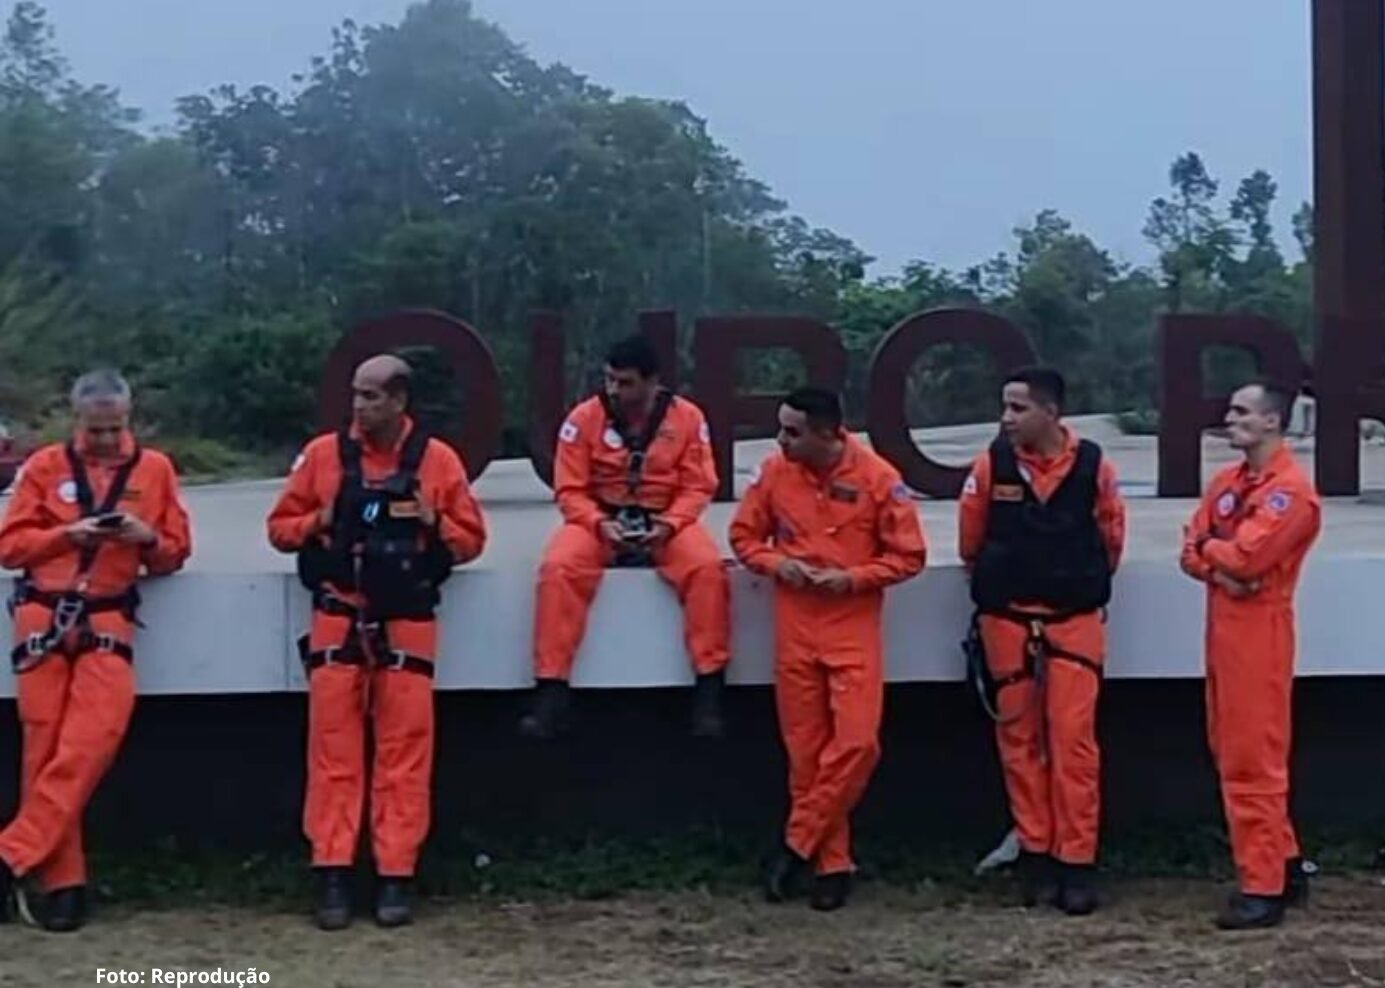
[[992, 582], [631, 516], [70, 634], [1039, 649], [406, 590]]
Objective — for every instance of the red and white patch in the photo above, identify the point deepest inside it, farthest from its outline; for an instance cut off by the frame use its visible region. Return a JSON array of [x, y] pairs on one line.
[[568, 432], [1226, 504], [67, 492]]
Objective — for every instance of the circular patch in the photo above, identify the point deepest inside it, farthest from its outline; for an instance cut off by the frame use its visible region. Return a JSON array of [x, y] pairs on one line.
[[67, 492], [612, 439], [1226, 504]]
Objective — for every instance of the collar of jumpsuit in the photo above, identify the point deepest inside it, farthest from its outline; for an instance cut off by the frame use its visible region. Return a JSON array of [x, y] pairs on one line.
[[1057, 463], [1279, 462]]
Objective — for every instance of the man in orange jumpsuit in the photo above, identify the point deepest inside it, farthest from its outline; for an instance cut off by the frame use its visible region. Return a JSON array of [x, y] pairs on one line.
[[833, 524], [633, 474], [1247, 542], [1042, 528], [86, 517], [379, 515]]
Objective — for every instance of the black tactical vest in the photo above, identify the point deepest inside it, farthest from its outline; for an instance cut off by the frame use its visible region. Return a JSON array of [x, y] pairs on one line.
[[1042, 553], [379, 546]]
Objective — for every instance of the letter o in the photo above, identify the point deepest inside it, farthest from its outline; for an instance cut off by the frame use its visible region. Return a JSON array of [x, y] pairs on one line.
[[886, 420], [477, 439]]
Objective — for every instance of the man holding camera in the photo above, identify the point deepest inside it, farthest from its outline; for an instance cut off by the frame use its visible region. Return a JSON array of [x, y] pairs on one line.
[[633, 474], [86, 517]]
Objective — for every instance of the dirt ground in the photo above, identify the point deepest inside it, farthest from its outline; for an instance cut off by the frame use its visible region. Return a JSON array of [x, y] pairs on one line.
[[1148, 934]]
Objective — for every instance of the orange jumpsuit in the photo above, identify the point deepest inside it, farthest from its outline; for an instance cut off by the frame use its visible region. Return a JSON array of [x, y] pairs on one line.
[[75, 712], [1048, 745], [677, 484], [829, 661], [400, 702], [1256, 528]]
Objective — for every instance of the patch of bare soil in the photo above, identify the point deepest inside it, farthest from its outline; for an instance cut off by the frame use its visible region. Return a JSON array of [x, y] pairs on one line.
[[1147, 934]]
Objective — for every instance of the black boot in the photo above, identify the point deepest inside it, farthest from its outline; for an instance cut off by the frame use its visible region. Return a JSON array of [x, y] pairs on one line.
[[548, 718], [7, 887], [65, 910], [706, 718], [1076, 891], [784, 878], [1037, 880], [333, 898], [1252, 912], [392, 903], [830, 891], [1296, 875]]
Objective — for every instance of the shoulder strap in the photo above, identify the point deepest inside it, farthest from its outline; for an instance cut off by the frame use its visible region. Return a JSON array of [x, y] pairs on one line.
[[1005, 467], [85, 501], [120, 482], [412, 455], [1088, 465], [349, 452]]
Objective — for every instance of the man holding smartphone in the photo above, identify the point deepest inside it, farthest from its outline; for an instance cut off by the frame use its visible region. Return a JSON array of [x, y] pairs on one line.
[[833, 524], [86, 518], [633, 475]]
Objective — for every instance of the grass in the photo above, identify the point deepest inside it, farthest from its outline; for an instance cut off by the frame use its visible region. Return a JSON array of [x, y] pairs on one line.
[[710, 862]]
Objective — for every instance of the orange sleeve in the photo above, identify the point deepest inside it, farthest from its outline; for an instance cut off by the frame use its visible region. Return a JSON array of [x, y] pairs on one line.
[[1110, 513], [1288, 516], [30, 535], [753, 525], [572, 473], [903, 550], [1195, 533], [297, 515], [973, 511], [461, 525], [697, 474], [172, 526]]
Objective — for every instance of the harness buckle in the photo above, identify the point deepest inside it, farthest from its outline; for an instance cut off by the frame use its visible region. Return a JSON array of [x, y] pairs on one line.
[[68, 611]]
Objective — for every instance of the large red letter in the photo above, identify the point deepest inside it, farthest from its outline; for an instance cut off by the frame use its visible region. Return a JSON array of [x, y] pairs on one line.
[[894, 358], [1184, 410], [719, 339], [1347, 381], [477, 437]]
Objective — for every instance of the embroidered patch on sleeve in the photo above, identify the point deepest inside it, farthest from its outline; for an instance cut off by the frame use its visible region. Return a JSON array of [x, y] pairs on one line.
[[568, 433], [1279, 501]]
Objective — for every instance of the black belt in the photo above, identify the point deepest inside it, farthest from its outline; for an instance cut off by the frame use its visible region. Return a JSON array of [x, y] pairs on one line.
[[353, 652]]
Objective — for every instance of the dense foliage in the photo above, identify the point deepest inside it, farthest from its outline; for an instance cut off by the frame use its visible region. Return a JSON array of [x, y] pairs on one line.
[[434, 163]]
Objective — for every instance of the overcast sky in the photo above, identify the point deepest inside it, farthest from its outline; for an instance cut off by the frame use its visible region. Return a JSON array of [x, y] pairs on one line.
[[919, 128]]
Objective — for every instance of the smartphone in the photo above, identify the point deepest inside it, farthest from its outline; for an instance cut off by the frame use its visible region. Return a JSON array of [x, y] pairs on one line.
[[110, 521]]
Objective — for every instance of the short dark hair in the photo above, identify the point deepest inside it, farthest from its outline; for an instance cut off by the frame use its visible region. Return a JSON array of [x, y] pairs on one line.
[[1044, 383], [823, 408], [1279, 398], [634, 353]]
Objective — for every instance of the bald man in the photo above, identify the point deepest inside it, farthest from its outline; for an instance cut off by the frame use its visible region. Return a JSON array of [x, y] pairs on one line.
[[378, 514]]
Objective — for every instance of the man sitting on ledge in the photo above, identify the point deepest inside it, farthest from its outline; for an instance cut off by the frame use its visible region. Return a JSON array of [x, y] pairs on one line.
[[633, 474]]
